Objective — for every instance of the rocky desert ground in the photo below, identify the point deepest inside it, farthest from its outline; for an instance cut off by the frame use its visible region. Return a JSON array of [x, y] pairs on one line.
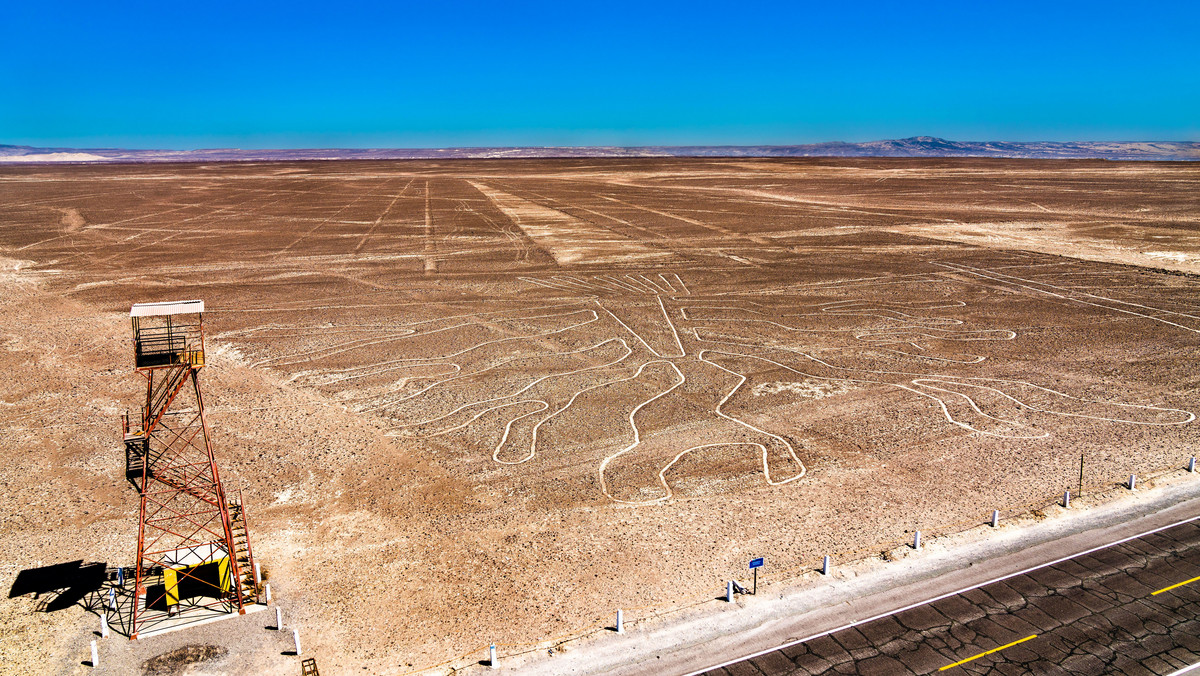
[[492, 401]]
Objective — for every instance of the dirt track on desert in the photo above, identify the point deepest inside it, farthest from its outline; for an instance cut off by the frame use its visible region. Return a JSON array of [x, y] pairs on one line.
[[492, 401]]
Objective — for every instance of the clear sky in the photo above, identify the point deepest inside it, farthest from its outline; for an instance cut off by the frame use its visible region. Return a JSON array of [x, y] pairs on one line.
[[437, 74]]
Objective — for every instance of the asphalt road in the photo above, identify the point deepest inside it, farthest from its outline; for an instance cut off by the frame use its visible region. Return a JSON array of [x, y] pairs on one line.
[[1128, 608]]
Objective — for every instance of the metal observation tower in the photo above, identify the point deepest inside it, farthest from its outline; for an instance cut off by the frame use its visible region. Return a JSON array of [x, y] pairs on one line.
[[193, 549]]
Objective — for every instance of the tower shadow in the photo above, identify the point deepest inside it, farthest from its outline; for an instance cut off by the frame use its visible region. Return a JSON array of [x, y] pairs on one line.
[[63, 584]]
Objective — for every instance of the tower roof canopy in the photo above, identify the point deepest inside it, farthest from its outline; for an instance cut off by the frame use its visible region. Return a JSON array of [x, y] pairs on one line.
[[177, 307]]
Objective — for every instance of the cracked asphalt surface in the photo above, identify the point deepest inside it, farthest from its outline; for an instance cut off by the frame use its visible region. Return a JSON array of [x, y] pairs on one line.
[[1095, 613]]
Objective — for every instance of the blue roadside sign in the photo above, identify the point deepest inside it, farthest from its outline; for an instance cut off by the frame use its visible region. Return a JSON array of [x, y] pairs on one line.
[[756, 563]]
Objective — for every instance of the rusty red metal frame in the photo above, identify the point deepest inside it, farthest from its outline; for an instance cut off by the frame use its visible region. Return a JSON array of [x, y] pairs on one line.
[[183, 506]]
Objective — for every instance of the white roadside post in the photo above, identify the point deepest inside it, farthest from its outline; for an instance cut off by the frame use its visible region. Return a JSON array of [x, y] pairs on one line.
[[1132, 482], [917, 540], [112, 598], [492, 657], [95, 656], [104, 626], [620, 621], [1067, 500], [1192, 464], [995, 518], [278, 618], [296, 638], [729, 591], [257, 573], [267, 588], [825, 565]]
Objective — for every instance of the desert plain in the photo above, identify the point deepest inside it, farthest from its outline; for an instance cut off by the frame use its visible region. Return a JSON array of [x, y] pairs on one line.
[[494, 400]]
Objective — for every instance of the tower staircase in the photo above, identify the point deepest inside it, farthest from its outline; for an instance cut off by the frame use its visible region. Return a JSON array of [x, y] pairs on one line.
[[246, 586]]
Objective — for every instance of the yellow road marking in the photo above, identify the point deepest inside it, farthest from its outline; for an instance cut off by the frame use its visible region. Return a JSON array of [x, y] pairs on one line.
[[989, 652], [1180, 584]]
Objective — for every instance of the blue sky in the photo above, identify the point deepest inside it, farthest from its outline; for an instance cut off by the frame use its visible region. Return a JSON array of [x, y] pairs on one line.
[[304, 74]]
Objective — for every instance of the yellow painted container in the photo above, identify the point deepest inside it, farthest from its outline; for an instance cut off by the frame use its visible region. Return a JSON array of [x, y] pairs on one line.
[[173, 576]]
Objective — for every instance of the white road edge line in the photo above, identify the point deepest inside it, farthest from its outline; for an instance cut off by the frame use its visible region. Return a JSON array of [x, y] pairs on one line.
[[1185, 670], [948, 595]]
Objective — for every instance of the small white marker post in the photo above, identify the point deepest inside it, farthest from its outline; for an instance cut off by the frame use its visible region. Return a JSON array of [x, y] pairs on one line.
[[268, 590], [1132, 482], [492, 656], [1192, 464], [257, 574], [1067, 500], [95, 656], [729, 591], [296, 638], [120, 576], [825, 566], [620, 621], [917, 540], [995, 518], [112, 598], [278, 618], [104, 626]]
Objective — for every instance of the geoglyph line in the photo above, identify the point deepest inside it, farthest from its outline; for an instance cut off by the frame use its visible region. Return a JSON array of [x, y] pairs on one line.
[[326, 221], [329, 351], [636, 283], [626, 286], [490, 368], [681, 284], [1015, 281], [537, 427], [667, 316], [729, 395], [954, 396], [919, 380], [637, 436], [383, 215], [669, 289], [632, 332], [637, 440], [522, 390], [653, 284], [568, 239]]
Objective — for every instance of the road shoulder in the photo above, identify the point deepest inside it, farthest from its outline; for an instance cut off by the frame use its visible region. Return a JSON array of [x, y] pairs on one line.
[[860, 591]]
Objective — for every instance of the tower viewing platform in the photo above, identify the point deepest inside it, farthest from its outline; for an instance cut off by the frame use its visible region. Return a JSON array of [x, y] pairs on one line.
[[168, 334]]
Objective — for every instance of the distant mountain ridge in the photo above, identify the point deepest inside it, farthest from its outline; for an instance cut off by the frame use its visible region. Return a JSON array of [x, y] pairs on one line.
[[916, 146]]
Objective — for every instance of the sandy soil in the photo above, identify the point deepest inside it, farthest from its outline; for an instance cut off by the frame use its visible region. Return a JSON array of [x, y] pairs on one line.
[[456, 426]]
